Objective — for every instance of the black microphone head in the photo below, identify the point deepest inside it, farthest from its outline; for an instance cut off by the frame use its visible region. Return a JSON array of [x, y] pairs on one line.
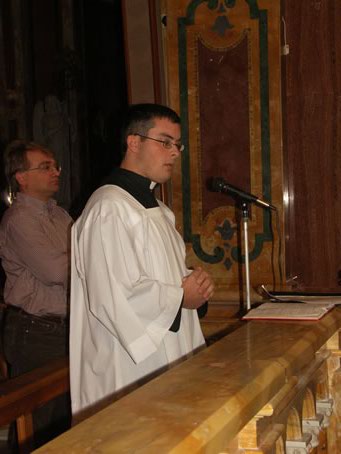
[[216, 184]]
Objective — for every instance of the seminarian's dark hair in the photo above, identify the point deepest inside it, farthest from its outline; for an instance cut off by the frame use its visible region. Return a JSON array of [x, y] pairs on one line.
[[15, 160], [140, 118]]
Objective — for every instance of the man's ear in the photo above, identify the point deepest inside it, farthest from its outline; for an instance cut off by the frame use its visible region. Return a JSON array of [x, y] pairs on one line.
[[133, 142], [21, 178]]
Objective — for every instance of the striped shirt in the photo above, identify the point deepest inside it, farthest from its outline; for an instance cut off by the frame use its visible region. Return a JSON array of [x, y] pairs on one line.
[[34, 248]]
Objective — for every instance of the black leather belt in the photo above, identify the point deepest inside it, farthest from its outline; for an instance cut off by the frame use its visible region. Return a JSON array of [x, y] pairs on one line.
[[48, 318]]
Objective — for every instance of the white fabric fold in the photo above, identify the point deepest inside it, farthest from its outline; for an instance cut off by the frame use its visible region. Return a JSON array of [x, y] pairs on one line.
[[127, 269]]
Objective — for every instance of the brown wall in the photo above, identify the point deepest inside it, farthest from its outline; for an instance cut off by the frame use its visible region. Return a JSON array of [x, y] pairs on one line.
[[138, 50], [311, 138], [312, 131]]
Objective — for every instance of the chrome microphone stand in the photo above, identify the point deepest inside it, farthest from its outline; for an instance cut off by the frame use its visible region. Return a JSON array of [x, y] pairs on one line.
[[245, 217], [218, 184]]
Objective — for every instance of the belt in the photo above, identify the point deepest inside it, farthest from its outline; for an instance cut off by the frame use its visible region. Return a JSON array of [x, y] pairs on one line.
[[48, 318]]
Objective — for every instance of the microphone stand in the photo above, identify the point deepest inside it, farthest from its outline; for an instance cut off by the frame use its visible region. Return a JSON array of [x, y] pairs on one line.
[[217, 184], [245, 217]]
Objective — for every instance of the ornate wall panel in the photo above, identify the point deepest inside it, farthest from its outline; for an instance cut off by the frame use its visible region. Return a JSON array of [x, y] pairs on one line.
[[224, 80]]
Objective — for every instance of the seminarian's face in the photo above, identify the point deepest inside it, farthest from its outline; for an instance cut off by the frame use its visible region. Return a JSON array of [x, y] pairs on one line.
[[41, 178], [152, 158]]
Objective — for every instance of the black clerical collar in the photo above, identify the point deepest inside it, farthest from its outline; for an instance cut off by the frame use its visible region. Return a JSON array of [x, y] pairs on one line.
[[137, 186]]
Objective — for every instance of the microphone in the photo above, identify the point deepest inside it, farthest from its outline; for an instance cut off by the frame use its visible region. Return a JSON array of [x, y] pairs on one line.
[[217, 184]]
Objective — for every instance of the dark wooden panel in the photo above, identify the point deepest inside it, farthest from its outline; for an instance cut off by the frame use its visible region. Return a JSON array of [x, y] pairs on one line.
[[312, 142]]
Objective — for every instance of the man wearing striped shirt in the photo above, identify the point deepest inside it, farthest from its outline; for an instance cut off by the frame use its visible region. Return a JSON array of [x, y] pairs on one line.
[[34, 236]]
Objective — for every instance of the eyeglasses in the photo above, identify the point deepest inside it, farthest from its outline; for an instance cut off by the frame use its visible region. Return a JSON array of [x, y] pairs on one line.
[[46, 167], [167, 143]]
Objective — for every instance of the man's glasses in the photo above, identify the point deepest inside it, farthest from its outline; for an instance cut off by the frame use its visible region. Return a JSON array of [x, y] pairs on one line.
[[166, 143], [46, 167]]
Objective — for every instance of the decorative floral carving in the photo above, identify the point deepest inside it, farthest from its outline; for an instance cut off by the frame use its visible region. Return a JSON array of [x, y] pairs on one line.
[[222, 22], [226, 232]]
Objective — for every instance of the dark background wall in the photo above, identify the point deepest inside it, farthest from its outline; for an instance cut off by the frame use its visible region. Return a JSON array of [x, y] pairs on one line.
[[72, 50]]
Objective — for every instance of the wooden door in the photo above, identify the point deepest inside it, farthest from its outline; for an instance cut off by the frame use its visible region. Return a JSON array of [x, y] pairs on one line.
[[312, 143]]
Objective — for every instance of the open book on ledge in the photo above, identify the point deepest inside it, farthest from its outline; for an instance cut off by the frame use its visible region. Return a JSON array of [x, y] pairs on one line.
[[289, 311]]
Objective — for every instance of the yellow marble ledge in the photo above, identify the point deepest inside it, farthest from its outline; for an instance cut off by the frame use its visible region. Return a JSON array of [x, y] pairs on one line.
[[201, 405]]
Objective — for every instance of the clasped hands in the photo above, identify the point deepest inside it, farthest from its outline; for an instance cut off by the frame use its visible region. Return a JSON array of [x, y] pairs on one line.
[[198, 288]]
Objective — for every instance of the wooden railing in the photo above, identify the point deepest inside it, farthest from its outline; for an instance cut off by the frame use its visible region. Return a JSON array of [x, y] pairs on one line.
[[266, 387], [21, 395]]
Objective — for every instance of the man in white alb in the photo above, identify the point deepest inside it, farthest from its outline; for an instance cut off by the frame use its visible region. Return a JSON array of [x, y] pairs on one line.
[[133, 301]]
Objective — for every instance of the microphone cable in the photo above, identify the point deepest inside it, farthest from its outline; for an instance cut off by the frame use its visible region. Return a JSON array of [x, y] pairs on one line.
[[278, 230]]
